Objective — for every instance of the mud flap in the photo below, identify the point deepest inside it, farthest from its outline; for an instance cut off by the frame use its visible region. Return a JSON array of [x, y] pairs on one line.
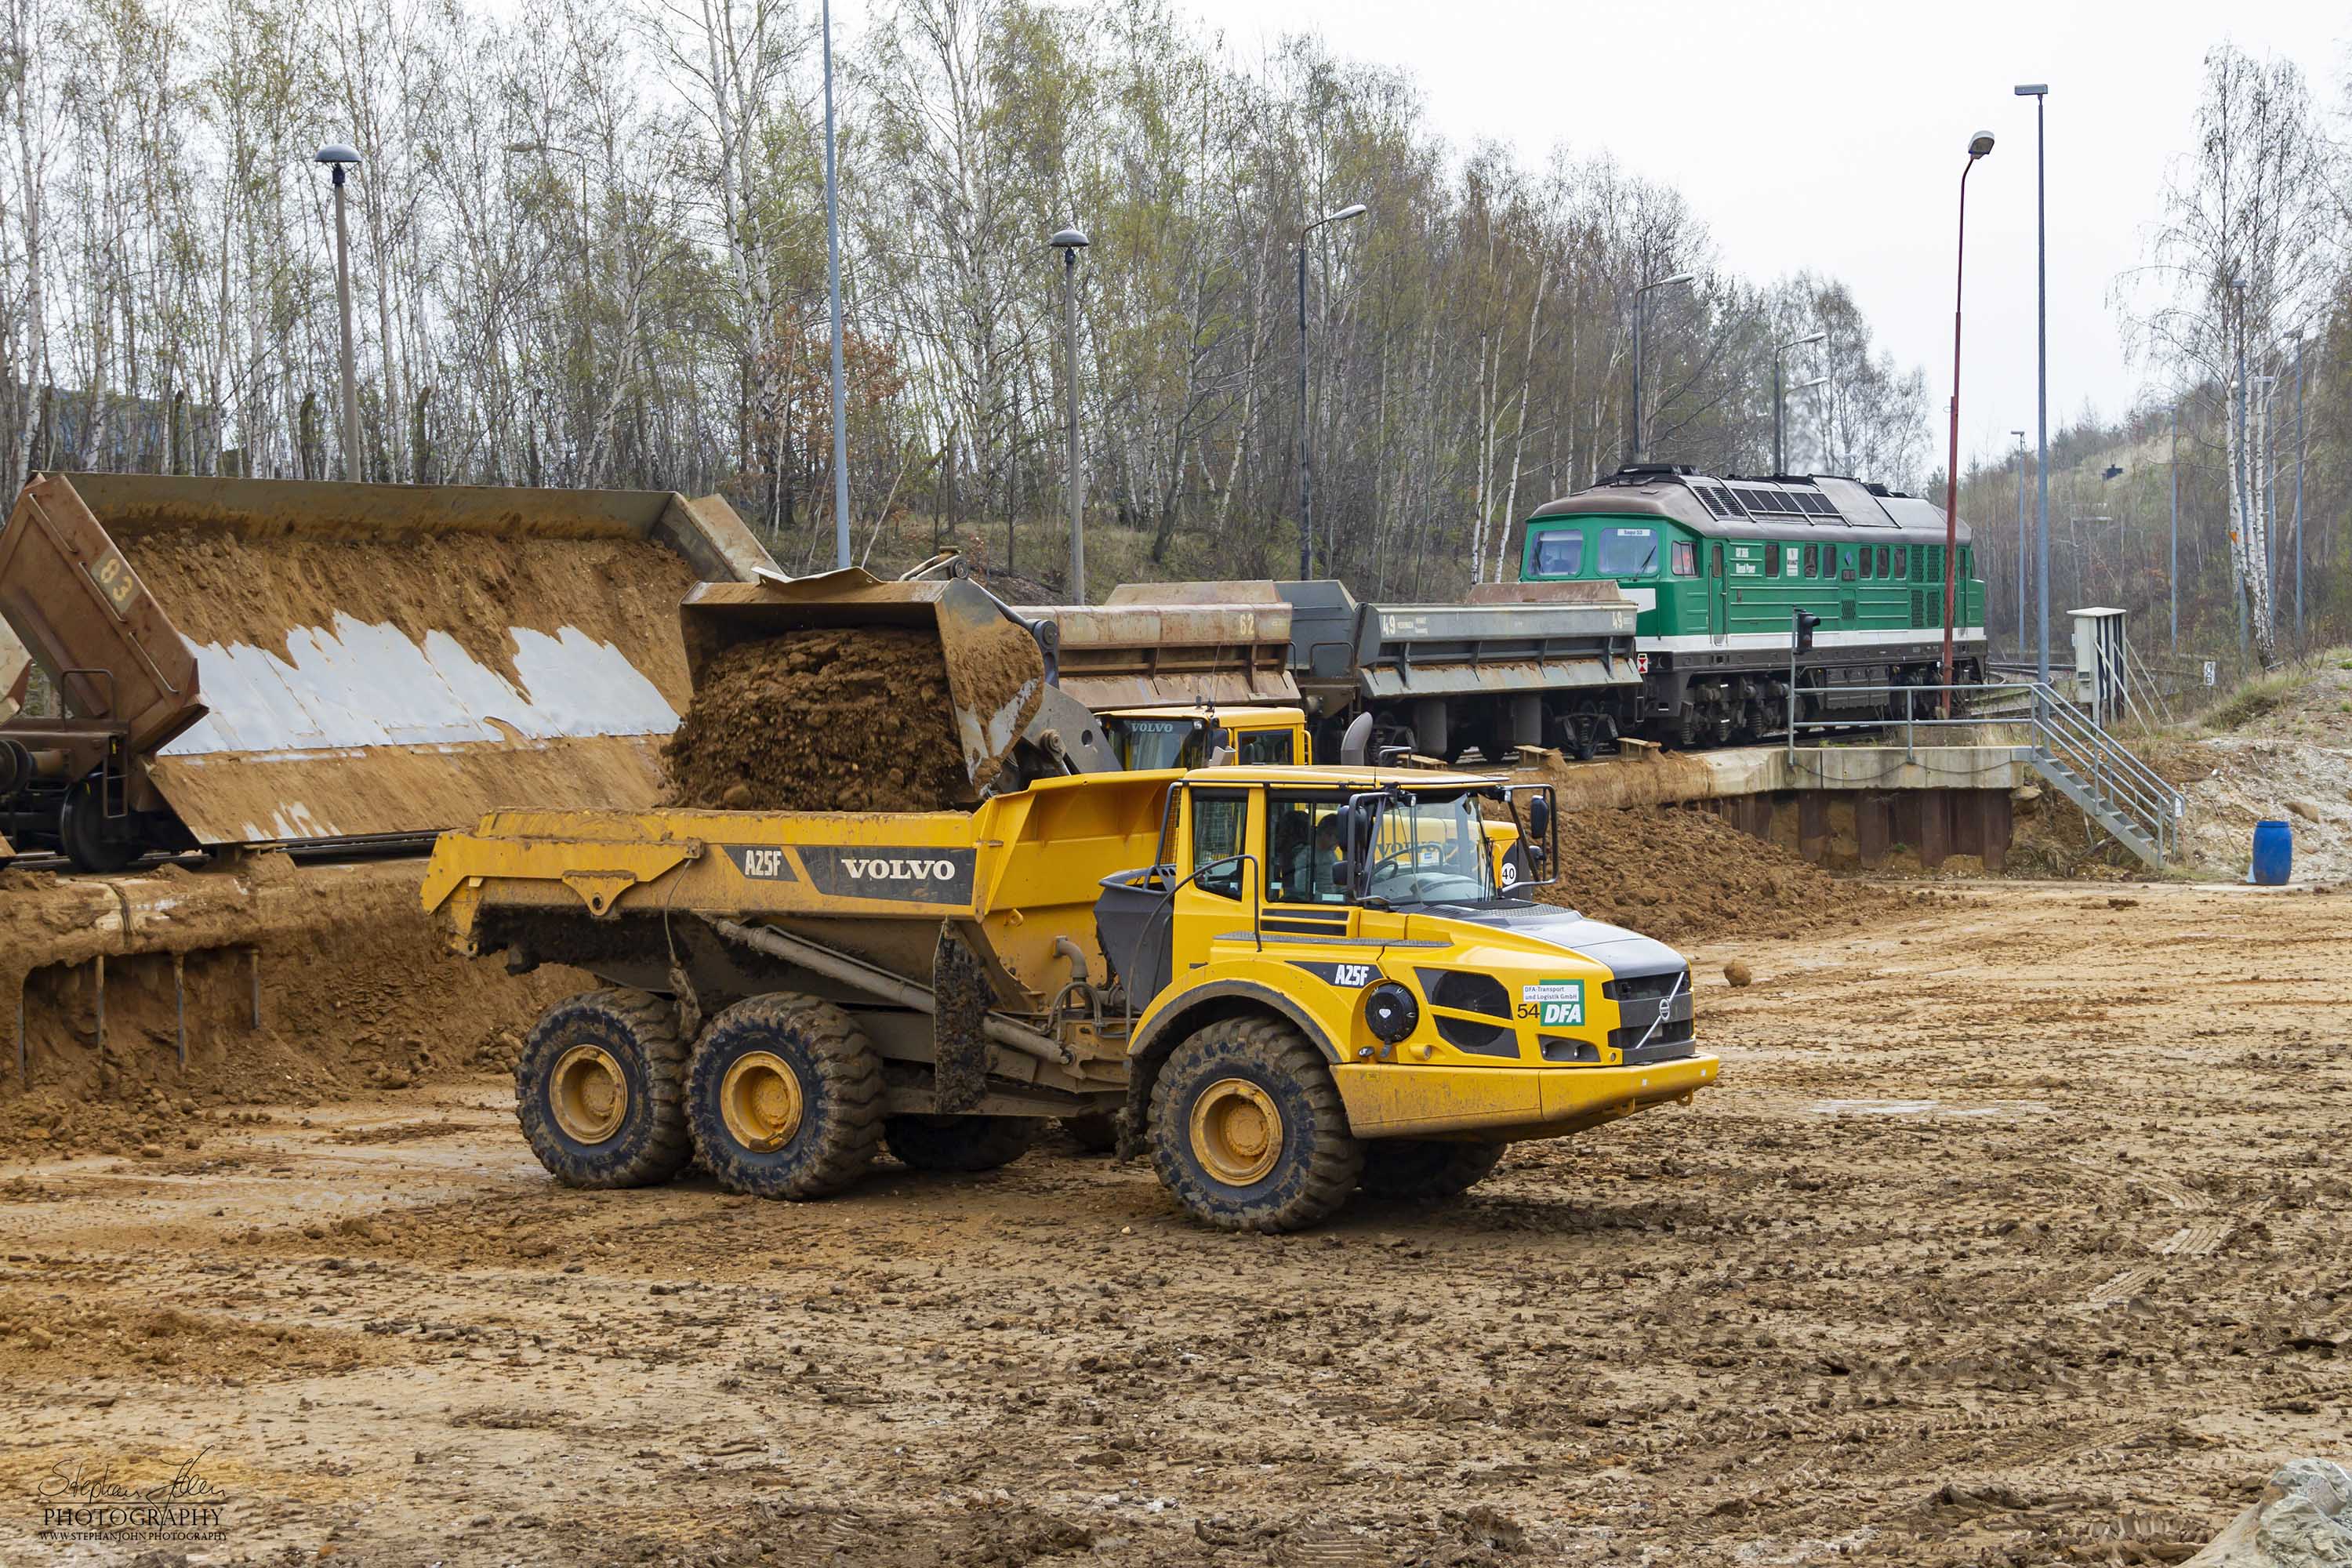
[[959, 1035]]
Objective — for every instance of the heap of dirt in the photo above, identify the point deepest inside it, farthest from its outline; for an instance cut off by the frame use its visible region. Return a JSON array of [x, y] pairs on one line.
[[1688, 876], [358, 991], [841, 719], [225, 588]]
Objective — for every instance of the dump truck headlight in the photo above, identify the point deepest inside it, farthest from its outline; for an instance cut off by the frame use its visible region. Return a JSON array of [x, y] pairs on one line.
[[1391, 1012]]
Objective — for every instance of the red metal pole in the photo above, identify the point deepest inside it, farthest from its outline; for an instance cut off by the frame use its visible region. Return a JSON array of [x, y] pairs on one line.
[[1952, 474]]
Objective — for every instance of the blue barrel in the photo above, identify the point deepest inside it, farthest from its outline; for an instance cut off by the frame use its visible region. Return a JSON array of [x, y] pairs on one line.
[[2274, 853]]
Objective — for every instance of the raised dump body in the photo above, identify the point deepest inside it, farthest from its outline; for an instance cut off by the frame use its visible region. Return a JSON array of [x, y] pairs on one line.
[[262, 660], [1141, 651], [1283, 982]]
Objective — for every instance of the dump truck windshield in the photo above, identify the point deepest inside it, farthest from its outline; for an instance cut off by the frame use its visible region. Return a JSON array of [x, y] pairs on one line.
[[1428, 851], [1422, 851], [1143, 744]]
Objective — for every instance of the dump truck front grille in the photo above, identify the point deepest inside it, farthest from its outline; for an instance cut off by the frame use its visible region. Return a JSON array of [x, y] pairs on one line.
[[1639, 999]]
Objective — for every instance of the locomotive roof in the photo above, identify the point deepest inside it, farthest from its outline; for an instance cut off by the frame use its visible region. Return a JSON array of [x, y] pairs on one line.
[[1785, 506]]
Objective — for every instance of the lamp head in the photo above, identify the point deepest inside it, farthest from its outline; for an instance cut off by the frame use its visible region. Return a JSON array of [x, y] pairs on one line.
[[335, 153], [1069, 239], [1354, 209], [2034, 89], [1677, 277], [1980, 143]]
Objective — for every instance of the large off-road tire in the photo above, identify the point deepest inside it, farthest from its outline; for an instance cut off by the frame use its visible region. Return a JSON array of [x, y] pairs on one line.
[[1247, 1129], [597, 1090], [784, 1097], [1427, 1167], [958, 1144], [1096, 1132]]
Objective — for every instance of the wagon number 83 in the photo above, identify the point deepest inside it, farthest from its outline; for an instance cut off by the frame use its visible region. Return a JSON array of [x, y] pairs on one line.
[[114, 580]]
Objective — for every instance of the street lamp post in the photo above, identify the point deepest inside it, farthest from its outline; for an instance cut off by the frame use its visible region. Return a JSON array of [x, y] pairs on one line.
[[1641, 303], [341, 159], [1979, 145], [1780, 460], [2020, 542], [832, 288], [1305, 461], [2039, 91], [1069, 242], [2174, 574]]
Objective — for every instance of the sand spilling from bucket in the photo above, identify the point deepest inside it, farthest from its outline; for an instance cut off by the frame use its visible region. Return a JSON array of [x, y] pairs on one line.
[[843, 719]]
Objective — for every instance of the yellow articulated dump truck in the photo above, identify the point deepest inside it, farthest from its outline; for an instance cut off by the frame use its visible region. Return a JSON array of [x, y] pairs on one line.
[[1283, 984], [1275, 1020]]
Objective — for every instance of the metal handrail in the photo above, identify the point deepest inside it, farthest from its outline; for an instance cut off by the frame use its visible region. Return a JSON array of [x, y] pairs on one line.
[[2061, 733]]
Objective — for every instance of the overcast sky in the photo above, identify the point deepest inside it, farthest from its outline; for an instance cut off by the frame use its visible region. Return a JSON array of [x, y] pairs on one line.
[[1830, 134]]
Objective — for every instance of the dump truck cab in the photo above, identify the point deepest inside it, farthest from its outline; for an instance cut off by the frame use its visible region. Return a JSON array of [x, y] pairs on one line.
[[1363, 912], [1190, 737]]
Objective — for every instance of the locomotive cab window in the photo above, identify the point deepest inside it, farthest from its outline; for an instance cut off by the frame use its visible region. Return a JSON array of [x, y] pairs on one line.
[[1813, 560], [1882, 561], [1865, 563], [1902, 561], [1685, 558], [1771, 561], [1715, 562], [1559, 553], [1629, 552]]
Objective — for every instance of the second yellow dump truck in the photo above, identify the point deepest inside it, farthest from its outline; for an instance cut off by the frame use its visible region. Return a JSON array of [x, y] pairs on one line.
[[1286, 983]]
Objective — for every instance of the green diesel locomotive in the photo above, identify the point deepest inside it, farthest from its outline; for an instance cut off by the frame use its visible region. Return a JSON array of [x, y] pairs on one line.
[[1717, 567]]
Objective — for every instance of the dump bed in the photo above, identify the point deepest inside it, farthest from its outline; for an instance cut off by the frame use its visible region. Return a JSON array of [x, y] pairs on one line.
[[1139, 651], [308, 661], [1019, 871], [1386, 652]]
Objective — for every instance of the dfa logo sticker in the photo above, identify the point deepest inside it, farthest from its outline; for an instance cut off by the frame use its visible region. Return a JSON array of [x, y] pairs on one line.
[[1558, 1003]]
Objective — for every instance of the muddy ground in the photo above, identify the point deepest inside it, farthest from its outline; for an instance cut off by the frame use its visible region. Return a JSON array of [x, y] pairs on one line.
[[2016, 1234]]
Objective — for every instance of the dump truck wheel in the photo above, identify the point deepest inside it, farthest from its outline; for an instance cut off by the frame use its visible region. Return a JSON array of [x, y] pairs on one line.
[[1096, 1132], [784, 1097], [963, 1144], [1247, 1128], [1427, 1167], [597, 1090]]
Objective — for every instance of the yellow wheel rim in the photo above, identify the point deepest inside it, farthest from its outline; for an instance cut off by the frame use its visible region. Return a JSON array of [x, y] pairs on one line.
[[589, 1094], [1236, 1132], [759, 1100]]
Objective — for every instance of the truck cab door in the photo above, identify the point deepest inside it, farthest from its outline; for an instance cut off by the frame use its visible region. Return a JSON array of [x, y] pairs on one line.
[[1222, 868]]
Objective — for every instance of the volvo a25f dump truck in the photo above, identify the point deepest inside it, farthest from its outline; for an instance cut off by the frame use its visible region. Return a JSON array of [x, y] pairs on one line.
[[1284, 983], [240, 661]]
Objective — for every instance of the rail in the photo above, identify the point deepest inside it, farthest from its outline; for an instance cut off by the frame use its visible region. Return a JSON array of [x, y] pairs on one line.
[[2090, 767]]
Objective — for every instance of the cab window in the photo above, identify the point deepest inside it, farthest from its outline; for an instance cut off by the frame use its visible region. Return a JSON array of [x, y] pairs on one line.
[[1813, 560], [1865, 563], [1715, 562], [1685, 558], [1218, 816], [1629, 552], [1267, 748], [1302, 836], [1146, 743], [1559, 553]]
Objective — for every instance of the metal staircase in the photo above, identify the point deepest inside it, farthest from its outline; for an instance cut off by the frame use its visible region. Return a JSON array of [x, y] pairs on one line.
[[2112, 787]]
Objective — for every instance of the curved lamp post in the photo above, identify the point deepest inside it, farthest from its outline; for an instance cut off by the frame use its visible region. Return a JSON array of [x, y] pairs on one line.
[[1979, 145]]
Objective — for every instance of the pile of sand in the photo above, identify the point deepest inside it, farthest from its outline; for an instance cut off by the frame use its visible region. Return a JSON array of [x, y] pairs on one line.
[[1686, 876], [357, 991], [843, 719], [223, 587]]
